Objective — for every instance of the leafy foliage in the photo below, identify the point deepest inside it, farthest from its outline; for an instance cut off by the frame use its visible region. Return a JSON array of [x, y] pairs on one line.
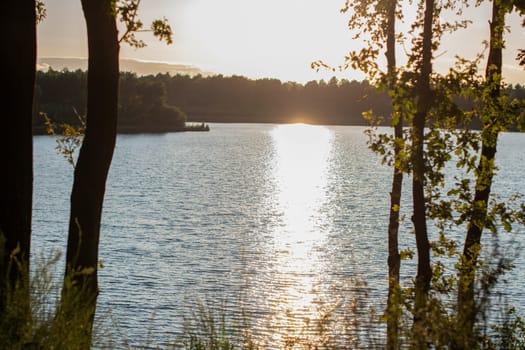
[[460, 100], [40, 11], [521, 57], [127, 11], [69, 138]]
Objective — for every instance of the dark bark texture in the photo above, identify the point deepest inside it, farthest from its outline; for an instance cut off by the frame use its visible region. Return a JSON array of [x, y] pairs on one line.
[[97, 149], [394, 259], [490, 137], [424, 103], [492, 111], [18, 62]]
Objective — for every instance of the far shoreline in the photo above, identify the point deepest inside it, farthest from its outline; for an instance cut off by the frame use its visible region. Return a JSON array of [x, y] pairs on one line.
[[127, 130]]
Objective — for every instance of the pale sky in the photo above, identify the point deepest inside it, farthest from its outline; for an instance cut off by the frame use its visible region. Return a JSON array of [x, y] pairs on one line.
[[256, 38]]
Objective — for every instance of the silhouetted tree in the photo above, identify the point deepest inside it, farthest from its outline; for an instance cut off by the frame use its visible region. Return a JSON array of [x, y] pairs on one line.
[[18, 61], [394, 259], [95, 155], [494, 118], [96, 152], [419, 217], [378, 19]]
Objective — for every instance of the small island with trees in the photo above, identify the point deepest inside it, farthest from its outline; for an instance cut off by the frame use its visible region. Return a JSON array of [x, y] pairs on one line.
[[143, 105]]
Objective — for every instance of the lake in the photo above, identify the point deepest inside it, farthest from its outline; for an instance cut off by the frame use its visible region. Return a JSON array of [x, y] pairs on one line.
[[275, 225]]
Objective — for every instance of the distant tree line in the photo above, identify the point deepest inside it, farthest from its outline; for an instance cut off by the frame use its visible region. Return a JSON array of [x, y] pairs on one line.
[[163, 102], [239, 99], [147, 103]]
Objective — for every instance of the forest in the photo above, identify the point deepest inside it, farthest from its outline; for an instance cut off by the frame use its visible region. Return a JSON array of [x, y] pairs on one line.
[[162, 103]]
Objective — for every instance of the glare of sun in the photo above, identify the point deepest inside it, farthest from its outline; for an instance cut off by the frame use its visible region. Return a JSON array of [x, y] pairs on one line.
[[302, 157], [302, 154]]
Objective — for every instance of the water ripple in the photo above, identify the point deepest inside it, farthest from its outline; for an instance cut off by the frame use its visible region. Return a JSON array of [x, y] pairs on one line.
[[273, 226]]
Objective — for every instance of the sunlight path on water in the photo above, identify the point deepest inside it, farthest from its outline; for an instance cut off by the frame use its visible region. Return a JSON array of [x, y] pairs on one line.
[[300, 172]]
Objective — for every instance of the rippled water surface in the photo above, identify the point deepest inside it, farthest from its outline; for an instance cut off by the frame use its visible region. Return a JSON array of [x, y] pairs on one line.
[[277, 225]]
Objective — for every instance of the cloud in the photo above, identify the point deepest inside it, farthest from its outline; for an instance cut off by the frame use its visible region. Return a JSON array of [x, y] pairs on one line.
[[126, 65]]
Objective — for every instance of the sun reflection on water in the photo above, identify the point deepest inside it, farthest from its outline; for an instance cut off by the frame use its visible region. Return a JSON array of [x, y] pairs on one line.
[[301, 164], [300, 171]]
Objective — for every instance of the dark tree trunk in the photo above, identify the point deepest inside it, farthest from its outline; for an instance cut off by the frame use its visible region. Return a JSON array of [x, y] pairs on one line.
[[394, 259], [96, 152], [18, 61], [491, 115], [424, 102]]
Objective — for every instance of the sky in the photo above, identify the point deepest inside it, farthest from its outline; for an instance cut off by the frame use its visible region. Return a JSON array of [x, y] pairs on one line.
[[258, 38]]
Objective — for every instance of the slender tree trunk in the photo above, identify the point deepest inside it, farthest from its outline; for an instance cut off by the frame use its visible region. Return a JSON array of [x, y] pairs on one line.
[[18, 61], [394, 260], [424, 102], [95, 154], [491, 114]]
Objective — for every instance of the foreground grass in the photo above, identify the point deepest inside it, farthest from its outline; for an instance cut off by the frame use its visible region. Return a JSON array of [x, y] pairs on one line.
[[36, 318], [39, 323]]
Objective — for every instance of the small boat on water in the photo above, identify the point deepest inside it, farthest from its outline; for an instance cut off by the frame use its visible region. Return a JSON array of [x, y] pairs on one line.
[[196, 127]]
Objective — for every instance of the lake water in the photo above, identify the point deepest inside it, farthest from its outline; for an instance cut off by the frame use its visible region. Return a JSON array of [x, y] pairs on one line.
[[276, 225]]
